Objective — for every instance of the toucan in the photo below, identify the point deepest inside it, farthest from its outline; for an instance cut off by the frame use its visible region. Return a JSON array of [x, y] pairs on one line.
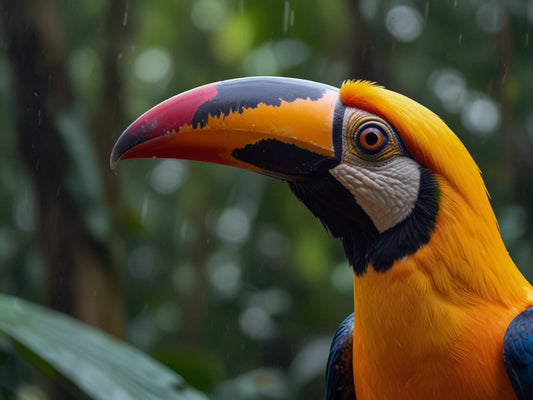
[[440, 309]]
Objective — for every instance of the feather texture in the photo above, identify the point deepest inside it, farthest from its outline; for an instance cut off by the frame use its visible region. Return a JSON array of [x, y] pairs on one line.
[[339, 372], [433, 324], [518, 354]]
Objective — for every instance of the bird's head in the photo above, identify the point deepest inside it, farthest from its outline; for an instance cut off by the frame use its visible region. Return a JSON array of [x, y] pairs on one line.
[[377, 168]]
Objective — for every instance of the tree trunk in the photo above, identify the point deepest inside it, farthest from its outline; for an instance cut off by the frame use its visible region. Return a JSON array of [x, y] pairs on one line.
[[82, 278]]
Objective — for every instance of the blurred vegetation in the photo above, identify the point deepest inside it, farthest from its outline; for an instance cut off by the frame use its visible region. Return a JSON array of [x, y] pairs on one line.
[[220, 273]]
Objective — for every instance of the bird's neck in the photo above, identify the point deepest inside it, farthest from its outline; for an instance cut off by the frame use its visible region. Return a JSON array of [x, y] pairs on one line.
[[418, 339], [463, 269], [465, 258]]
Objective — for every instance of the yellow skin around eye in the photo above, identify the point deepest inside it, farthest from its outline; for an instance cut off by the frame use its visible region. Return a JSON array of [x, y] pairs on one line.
[[361, 125]]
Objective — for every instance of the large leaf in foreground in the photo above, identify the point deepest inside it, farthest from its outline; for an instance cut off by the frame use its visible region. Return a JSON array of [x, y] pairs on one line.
[[97, 364]]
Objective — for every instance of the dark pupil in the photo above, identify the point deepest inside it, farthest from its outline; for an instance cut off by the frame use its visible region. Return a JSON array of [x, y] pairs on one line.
[[371, 138]]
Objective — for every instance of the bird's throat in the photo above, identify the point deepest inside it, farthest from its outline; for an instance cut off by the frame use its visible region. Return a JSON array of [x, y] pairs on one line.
[[363, 244]]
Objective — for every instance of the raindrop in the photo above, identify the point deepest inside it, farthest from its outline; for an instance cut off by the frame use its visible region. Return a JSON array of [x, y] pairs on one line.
[[145, 208], [153, 65], [126, 11], [286, 16], [185, 231], [23, 213], [481, 115], [404, 23], [167, 176]]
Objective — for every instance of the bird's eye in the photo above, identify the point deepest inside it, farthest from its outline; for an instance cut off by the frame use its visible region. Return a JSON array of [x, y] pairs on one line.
[[371, 138]]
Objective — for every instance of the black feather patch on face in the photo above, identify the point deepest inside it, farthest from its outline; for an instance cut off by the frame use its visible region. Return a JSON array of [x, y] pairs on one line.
[[337, 209], [284, 159]]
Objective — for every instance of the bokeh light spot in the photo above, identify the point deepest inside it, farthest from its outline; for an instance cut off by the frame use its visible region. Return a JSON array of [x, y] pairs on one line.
[[234, 38], [225, 278], [167, 176], [273, 301], [208, 15], [341, 278], [491, 17], [142, 263], [272, 243], [481, 115], [256, 323], [233, 226], [449, 87], [153, 65], [404, 23], [272, 56], [185, 278], [168, 317], [512, 220]]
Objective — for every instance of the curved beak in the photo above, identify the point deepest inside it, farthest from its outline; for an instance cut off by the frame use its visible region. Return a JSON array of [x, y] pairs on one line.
[[281, 127]]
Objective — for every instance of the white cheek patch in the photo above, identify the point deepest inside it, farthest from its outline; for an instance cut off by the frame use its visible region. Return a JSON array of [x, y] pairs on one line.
[[387, 193]]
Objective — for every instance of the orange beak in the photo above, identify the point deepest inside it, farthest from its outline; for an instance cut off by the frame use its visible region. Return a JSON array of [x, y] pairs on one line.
[[282, 127]]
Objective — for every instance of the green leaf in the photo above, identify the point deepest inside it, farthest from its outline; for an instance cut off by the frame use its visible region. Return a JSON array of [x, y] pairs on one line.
[[100, 366]]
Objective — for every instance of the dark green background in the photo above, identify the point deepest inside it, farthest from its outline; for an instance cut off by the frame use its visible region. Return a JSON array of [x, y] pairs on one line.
[[218, 272]]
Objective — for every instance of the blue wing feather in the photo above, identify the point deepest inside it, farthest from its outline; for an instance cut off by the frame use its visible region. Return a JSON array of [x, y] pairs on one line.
[[518, 354], [339, 372]]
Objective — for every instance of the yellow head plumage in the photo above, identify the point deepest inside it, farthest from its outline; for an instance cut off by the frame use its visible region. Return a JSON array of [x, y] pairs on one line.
[[425, 135], [466, 242]]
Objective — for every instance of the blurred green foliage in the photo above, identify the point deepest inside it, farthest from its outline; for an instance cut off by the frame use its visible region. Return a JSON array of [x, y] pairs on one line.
[[229, 280], [85, 359]]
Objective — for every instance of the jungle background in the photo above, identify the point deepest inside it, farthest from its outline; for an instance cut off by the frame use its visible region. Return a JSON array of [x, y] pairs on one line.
[[219, 273]]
